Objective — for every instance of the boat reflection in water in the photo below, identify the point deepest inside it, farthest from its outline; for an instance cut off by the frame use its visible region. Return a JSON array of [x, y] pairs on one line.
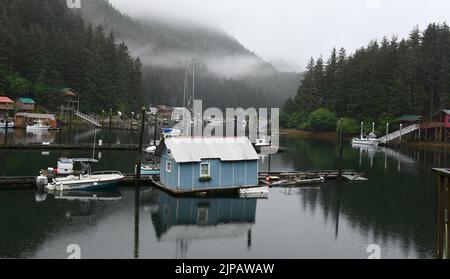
[[86, 199], [371, 150], [182, 220]]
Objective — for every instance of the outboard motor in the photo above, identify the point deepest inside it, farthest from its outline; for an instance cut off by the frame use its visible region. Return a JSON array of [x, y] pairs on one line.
[[41, 182]]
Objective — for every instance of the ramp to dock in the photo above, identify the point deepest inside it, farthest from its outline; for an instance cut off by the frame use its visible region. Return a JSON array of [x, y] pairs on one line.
[[399, 133], [87, 118]]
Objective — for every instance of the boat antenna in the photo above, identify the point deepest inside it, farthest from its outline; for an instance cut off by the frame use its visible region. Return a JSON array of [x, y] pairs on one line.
[[373, 127]]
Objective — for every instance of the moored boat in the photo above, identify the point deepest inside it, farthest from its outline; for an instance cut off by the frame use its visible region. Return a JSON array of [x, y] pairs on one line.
[[82, 180], [38, 126], [171, 132], [3, 123], [371, 139], [95, 180]]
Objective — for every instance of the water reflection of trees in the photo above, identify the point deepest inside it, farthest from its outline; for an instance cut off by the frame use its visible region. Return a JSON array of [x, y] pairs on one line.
[[384, 210], [397, 203]]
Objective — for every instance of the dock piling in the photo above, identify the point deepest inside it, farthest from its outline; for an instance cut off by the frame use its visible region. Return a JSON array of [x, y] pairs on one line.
[[340, 148], [6, 131], [110, 126], [141, 139]]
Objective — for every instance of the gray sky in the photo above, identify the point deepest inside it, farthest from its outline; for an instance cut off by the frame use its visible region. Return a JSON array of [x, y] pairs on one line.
[[288, 32]]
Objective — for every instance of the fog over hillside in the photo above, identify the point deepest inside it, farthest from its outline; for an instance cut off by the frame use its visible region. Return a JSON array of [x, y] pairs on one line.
[[164, 46]]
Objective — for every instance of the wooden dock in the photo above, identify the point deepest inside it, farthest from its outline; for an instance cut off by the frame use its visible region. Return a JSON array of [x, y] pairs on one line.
[[327, 174], [117, 147], [29, 182]]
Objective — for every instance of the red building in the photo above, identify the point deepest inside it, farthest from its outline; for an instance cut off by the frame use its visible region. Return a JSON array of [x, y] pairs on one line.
[[442, 117], [6, 103]]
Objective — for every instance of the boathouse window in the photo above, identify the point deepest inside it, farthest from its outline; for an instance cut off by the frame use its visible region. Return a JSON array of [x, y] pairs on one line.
[[169, 166], [205, 170]]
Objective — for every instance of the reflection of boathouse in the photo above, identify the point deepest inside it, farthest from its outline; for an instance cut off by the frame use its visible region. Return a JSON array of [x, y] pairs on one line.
[[202, 218]]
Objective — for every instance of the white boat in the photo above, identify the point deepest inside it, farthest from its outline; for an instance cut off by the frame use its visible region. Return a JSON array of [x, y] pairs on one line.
[[170, 132], [371, 139], [150, 150], [85, 180], [3, 124], [95, 180], [38, 126], [254, 192], [262, 142]]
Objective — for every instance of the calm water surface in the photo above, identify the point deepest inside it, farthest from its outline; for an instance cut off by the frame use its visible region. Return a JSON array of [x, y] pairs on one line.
[[394, 209]]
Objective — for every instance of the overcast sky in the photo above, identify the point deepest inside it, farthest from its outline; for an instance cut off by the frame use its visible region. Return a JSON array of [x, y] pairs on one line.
[[288, 32]]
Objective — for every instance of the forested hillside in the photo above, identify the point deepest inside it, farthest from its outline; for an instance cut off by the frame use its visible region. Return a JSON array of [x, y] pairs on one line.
[[228, 74], [45, 46], [380, 82]]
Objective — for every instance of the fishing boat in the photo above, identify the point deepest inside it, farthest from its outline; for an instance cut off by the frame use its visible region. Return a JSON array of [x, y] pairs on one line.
[[3, 124], [38, 126], [254, 192], [371, 139], [83, 180]]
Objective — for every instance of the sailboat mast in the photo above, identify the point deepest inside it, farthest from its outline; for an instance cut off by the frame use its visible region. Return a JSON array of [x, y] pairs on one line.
[[185, 83], [362, 129], [193, 83], [373, 127]]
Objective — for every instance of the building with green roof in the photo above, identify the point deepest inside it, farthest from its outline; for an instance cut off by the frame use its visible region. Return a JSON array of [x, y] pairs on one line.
[[25, 104]]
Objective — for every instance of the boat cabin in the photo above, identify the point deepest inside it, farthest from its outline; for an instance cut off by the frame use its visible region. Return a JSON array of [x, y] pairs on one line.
[[214, 163]]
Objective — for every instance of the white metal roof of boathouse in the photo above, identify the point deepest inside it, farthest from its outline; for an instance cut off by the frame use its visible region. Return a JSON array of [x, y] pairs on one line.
[[187, 149]]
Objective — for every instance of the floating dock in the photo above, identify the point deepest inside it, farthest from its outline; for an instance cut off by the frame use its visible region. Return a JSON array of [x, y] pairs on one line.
[[326, 174], [306, 178], [118, 147]]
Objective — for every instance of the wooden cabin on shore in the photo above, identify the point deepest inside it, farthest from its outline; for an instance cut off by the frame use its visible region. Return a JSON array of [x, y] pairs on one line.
[[25, 104], [6, 105], [22, 119], [434, 129]]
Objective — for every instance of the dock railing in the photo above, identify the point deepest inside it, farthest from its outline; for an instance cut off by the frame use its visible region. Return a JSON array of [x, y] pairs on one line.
[[88, 118], [399, 133]]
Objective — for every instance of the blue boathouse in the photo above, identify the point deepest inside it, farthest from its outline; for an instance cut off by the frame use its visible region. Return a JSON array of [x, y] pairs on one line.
[[200, 164]]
